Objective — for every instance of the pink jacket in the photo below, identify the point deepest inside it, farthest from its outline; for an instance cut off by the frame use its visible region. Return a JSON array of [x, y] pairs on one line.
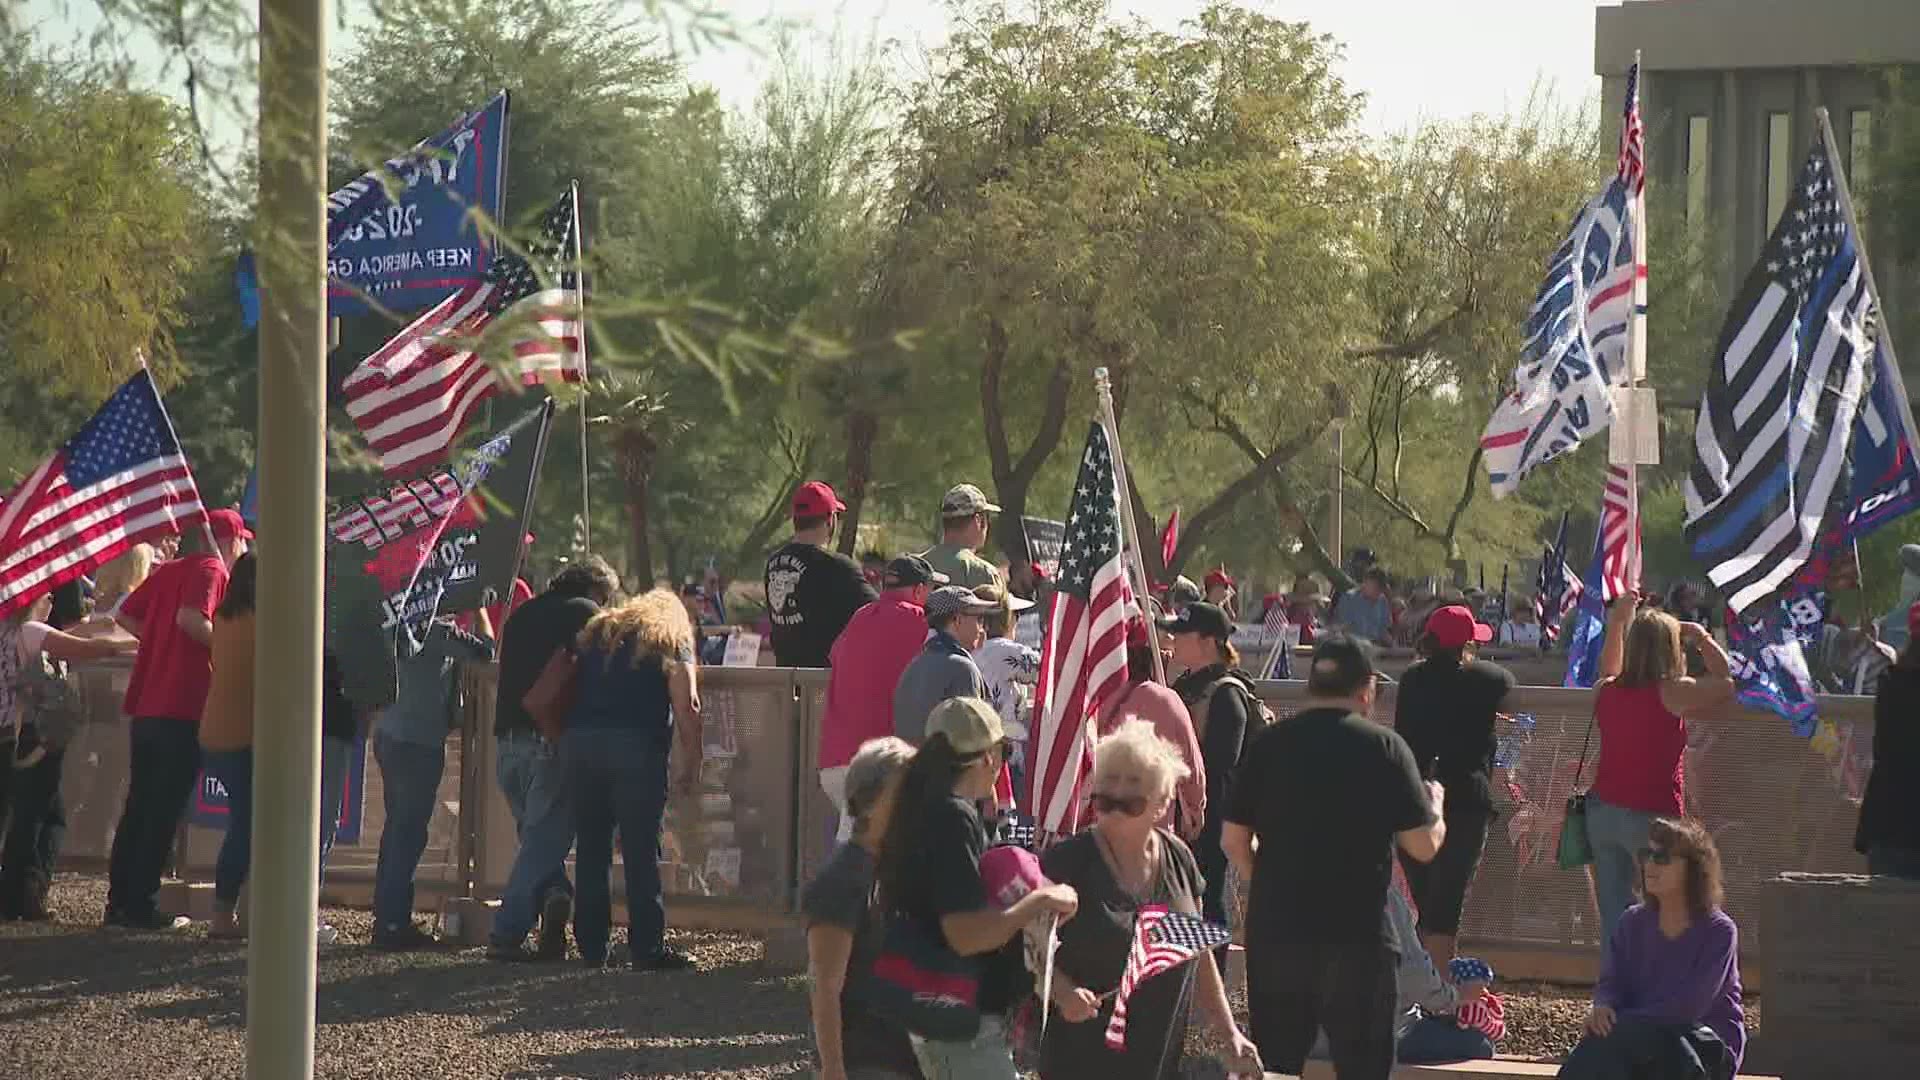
[[879, 642], [1161, 707]]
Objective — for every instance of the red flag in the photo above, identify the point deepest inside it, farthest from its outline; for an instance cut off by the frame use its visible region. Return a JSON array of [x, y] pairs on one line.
[[1084, 661], [1170, 538]]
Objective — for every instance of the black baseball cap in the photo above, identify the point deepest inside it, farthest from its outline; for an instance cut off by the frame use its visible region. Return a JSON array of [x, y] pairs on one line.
[[1205, 619], [1342, 664], [909, 570]]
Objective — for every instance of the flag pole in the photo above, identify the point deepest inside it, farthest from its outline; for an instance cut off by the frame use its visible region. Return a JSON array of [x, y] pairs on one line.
[[580, 278], [1636, 343], [284, 884], [1136, 568]]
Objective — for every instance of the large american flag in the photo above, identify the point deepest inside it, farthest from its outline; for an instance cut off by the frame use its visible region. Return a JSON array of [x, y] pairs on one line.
[[413, 397], [1162, 941], [121, 480], [1783, 391], [1083, 663], [1574, 352]]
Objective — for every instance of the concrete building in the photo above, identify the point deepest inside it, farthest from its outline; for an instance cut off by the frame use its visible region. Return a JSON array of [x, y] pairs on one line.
[[1728, 93]]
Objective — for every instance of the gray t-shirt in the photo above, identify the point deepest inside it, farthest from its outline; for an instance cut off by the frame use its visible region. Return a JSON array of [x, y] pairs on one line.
[[842, 896], [942, 670]]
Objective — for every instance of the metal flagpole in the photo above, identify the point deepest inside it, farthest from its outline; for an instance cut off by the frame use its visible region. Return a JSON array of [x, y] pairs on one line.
[[1136, 569], [580, 283], [284, 886]]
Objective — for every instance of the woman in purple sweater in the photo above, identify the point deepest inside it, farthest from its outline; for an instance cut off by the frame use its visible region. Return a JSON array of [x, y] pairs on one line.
[[1667, 1006]]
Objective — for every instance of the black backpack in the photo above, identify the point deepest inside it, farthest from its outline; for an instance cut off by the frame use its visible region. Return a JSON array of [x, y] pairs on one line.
[[1259, 716]]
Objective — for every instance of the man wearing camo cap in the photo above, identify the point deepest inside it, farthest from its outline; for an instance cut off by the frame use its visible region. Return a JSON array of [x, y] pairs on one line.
[[965, 515]]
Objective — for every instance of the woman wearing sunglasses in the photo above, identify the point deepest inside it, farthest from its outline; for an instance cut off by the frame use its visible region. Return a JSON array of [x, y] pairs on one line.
[[1668, 1000], [1126, 861]]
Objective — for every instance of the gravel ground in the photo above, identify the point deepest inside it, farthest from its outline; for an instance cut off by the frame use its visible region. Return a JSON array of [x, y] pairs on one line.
[[81, 1003]]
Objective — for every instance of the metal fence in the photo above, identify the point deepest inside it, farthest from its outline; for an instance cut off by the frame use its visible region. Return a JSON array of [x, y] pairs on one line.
[[760, 826]]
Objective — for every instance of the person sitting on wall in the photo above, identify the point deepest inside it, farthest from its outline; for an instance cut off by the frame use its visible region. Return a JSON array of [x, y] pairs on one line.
[[1668, 1002]]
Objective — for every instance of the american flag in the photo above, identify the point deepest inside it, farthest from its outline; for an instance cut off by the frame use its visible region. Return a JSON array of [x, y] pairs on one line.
[[1084, 660], [1162, 941], [1272, 629], [1783, 390], [1574, 352], [120, 481], [1619, 537], [1556, 589], [413, 397]]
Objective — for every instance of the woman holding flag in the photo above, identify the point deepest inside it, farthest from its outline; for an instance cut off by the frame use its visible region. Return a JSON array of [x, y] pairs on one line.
[[1124, 863]]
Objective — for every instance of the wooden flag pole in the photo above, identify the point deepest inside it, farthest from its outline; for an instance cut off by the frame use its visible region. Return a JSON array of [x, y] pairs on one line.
[[1636, 346], [1136, 567], [580, 280]]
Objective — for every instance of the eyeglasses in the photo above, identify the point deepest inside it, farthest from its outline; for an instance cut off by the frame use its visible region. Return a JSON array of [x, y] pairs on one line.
[[1131, 805], [1656, 856]]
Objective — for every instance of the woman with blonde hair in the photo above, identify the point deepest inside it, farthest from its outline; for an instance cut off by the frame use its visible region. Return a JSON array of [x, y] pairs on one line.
[[636, 708], [1123, 863], [1641, 707], [117, 580]]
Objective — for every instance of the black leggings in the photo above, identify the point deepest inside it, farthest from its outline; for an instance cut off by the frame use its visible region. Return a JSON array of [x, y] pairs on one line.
[[1440, 887]]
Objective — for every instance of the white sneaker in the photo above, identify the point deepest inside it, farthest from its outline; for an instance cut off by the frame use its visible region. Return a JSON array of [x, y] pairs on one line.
[[326, 935]]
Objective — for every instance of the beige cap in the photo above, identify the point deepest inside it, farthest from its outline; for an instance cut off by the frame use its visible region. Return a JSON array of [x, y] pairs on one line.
[[970, 725]]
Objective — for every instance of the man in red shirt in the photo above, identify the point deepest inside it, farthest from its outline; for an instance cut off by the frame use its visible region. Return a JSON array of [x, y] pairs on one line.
[[879, 642], [171, 613]]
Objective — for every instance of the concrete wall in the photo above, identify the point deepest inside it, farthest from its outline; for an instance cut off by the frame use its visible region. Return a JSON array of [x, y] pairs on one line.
[[1717, 35]]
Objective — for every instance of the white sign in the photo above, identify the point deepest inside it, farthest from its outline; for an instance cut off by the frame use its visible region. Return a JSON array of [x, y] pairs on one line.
[[743, 650], [1634, 438]]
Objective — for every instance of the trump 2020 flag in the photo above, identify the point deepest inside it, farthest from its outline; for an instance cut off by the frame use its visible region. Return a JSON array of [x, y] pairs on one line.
[[1577, 333], [404, 235], [121, 480], [1784, 389]]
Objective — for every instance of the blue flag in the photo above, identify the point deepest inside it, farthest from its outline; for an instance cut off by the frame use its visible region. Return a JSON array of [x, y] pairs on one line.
[[404, 232], [1589, 632], [246, 286]]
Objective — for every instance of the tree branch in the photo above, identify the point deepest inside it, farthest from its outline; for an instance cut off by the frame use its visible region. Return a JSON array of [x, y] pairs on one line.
[[1466, 499], [1398, 506], [999, 454]]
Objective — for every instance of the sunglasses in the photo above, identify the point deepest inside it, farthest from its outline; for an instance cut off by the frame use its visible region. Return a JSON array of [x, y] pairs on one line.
[[1131, 805], [1657, 856]]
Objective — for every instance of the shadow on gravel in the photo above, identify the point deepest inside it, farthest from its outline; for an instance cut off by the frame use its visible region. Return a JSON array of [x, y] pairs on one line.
[[769, 1060]]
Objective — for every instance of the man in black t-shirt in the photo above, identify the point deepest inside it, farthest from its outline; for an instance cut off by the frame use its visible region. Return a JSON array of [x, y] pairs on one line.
[[1317, 806], [528, 768], [812, 592]]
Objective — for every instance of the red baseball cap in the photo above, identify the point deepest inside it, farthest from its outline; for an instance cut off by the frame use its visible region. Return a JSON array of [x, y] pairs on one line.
[[815, 499], [228, 525], [1218, 576], [1454, 626]]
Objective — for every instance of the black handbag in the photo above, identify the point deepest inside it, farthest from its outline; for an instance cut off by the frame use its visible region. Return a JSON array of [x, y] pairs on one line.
[[921, 985]]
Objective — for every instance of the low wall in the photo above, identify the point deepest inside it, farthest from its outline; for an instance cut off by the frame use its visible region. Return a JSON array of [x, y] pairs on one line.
[[760, 825]]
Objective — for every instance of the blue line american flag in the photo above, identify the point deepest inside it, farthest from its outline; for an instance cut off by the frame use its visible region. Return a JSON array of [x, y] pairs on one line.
[[1162, 941], [1575, 349], [1783, 391]]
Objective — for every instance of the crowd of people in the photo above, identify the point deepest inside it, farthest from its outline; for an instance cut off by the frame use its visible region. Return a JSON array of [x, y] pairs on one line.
[[1341, 850]]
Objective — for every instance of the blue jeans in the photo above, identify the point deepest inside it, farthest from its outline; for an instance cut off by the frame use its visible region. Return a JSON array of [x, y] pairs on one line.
[[1618, 837], [234, 770], [1434, 1039], [618, 781], [410, 785], [536, 788], [984, 1057], [335, 756]]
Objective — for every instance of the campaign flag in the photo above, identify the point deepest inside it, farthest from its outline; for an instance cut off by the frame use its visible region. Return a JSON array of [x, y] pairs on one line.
[[121, 480], [1574, 351], [1045, 538], [1589, 630], [1556, 589], [1886, 478], [1767, 647], [405, 235], [1162, 941], [1784, 391], [435, 545], [413, 397], [1083, 662], [246, 289]]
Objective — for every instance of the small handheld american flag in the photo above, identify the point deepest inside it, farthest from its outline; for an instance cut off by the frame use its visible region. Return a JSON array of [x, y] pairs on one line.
[[1162, 941]]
